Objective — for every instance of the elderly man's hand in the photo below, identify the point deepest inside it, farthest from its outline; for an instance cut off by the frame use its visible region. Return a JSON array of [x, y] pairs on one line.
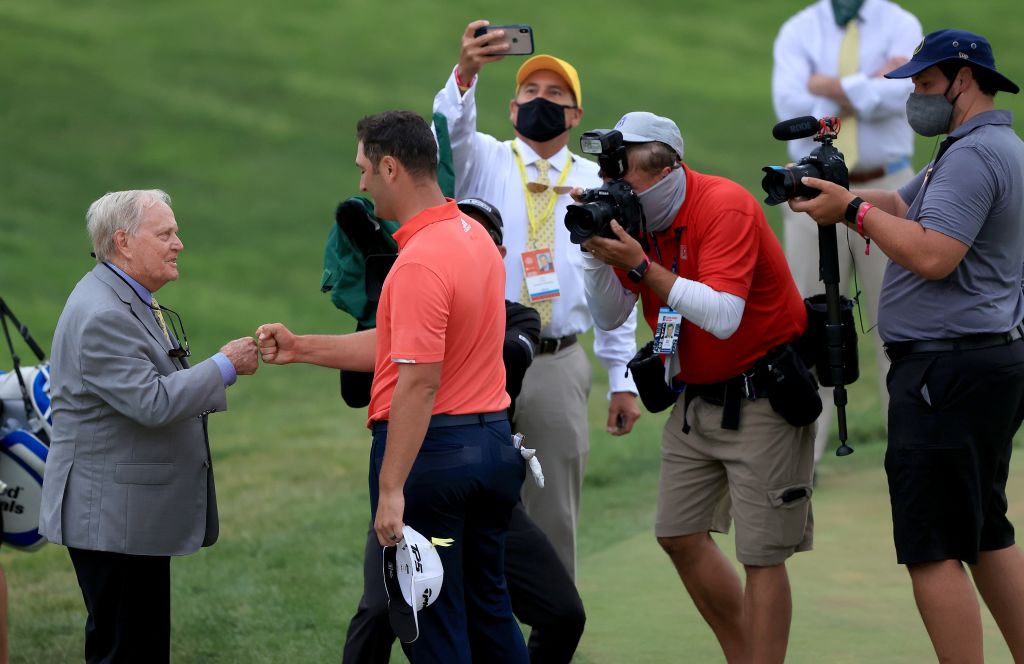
[[828, 207], [242, 354], [478, 51], [624, 251]]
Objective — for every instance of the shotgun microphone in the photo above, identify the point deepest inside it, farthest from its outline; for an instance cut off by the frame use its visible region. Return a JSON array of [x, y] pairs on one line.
[[802, 127]]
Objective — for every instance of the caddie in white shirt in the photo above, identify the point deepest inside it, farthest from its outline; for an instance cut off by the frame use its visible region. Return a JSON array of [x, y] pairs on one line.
[[529, 178]]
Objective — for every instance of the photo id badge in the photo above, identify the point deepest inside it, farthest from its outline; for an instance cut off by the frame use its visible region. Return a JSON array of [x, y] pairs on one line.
[[541, 279], [666, 337]]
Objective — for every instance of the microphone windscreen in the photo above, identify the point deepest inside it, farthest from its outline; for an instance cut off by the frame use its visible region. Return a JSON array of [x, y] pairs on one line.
[[795, 128]]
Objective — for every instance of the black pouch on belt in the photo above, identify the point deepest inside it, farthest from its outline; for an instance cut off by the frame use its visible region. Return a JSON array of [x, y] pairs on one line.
[[792, 390], [814, 344], [649, 375]]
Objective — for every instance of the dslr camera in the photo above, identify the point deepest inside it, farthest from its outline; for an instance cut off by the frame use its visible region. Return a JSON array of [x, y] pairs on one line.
[[825, 162], [615, 199]]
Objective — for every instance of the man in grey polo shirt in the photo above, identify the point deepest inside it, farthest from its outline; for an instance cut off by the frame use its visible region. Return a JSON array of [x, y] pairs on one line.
[[950, 316]]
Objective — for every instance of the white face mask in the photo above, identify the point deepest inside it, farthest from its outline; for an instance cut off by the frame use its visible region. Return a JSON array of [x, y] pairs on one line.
[[661, 202]]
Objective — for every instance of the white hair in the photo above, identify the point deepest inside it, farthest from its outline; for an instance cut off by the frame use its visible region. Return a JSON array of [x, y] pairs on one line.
[[119, 210]]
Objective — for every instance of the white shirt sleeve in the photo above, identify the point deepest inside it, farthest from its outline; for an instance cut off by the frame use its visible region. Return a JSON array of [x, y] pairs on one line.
[[613, 309], [610, 304], [712, 311], [472, 152]]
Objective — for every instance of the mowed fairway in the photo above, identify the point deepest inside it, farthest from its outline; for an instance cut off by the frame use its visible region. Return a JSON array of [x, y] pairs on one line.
[[245, 113]]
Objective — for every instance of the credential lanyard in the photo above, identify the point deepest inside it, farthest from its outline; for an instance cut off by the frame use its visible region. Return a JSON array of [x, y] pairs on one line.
[[551, 206], [657, 250]]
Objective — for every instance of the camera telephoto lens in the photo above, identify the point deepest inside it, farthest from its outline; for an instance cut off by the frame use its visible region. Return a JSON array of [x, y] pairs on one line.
[[782, 184], [587, 219]]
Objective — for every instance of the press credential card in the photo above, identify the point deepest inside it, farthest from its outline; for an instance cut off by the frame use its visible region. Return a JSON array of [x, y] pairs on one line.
[[666, 337], [541, 278]]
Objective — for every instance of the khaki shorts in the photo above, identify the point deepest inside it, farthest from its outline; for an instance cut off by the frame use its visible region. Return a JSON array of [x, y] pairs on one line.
[[761, 475]]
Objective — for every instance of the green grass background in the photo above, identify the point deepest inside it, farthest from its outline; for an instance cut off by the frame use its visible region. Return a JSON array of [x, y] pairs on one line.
[[245, 112]]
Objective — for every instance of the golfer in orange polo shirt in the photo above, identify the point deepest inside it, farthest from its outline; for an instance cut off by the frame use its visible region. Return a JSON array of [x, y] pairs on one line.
[[442, 459]]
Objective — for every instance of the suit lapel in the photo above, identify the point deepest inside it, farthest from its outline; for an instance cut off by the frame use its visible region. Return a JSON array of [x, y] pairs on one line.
[[139, 308]]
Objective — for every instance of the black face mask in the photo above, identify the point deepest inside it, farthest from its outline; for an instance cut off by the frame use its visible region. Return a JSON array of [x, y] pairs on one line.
[[541, 120]]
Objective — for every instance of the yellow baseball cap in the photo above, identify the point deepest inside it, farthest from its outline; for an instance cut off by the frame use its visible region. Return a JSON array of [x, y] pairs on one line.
[[557, 65]]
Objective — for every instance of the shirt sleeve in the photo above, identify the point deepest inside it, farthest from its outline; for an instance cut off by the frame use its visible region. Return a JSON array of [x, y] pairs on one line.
[[227, 369], [472, 151], [960, 195], [791, 70], [421, 306], [610, 304], [908, 192], [876, 97]]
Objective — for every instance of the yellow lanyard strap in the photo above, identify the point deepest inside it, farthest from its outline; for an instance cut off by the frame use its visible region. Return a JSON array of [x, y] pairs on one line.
[[551, 206]]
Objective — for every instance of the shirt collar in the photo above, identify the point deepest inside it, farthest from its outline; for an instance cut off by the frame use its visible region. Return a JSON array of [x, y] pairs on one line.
[[431, 215], [556, 160], [136, 286], [993, 117]]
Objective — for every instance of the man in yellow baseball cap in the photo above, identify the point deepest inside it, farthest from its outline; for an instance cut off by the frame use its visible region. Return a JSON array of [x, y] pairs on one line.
[[529, 179]]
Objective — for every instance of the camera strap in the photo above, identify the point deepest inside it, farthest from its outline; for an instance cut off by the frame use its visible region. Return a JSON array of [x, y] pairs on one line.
[[678, 232]]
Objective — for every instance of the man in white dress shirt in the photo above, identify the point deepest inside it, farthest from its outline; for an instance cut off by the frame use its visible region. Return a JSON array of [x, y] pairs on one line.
[[829, 60], [529, 178]]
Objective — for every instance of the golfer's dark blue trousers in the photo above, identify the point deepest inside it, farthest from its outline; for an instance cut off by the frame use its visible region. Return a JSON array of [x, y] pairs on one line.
[[463, 486]]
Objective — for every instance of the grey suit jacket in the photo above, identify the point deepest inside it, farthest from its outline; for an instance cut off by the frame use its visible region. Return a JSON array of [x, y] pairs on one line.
[[129, 465]]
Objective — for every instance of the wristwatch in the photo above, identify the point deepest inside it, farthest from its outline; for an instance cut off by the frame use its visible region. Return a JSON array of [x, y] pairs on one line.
[[637, 273], [853, 208]]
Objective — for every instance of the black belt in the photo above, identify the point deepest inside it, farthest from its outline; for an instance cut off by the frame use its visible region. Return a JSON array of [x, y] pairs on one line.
[[900, 349], [751, 385], [553, 345], [444, 420]]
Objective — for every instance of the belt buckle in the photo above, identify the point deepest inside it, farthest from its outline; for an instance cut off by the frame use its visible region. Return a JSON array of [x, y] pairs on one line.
[[550, 345], [749, 391]]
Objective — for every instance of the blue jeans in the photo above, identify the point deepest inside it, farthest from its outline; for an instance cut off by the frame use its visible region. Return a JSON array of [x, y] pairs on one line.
[[463, 485]]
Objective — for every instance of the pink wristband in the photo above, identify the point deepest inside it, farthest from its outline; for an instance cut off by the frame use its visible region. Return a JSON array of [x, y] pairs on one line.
[[458, 81], [861, 213]]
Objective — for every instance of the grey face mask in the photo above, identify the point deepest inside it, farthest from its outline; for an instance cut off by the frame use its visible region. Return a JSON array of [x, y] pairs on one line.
[[930, 115], [661, 202]]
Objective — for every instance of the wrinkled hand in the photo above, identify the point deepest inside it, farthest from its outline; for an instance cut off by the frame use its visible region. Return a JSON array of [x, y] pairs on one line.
[[828, 207], [388, 523], [242, 354], [276, 343], [478, 51], [622, 413], [624, 251]]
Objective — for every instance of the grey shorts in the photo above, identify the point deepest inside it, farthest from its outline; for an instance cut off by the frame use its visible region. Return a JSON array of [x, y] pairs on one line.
[[759, 475]]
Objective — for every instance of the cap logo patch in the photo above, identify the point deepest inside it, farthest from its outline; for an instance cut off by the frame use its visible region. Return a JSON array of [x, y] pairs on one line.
[[964, 56], [919, 47]]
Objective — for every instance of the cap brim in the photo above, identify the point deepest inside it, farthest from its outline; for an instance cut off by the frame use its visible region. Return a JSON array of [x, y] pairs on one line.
[[913, 68], [401, 616], [630, 137]]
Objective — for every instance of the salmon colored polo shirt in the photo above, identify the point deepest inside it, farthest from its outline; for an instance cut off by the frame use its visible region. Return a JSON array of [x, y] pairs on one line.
[[443, 301]]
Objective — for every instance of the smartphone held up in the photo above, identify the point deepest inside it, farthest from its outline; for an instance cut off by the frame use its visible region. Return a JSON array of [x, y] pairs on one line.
[[518, 37]]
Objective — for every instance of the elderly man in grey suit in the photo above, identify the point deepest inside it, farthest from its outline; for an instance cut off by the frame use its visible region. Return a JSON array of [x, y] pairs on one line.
[[129, 481]]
